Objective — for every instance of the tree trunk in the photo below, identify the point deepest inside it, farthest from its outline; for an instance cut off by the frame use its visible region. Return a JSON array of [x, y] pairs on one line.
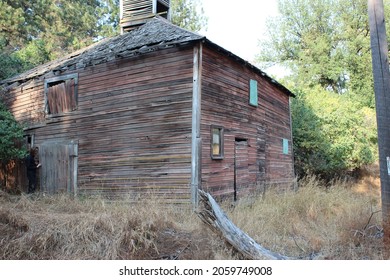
[[213, 216]]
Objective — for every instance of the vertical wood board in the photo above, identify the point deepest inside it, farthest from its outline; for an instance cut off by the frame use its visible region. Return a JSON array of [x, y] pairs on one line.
[[58, 167]]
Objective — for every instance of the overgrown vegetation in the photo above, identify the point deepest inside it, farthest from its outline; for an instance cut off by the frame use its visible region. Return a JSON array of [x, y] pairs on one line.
[[188, 14], [35, 32], [11, 135], [319, 221], [61, 227], [325, 46], [333, 135], [338, 221]]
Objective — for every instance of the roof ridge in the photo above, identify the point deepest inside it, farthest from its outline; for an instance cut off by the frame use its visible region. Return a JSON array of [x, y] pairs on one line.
[[157, 33], [147, 34], [158, 17]]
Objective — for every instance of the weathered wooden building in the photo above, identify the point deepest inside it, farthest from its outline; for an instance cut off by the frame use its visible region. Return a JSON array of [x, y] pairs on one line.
[[157, 108]]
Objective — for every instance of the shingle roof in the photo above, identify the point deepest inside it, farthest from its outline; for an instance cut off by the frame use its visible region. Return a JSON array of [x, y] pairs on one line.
[[157, 33]]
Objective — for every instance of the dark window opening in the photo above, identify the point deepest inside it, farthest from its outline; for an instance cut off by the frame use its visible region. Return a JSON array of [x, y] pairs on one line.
[[61, 94], [162, 9], [29, 140], [216, 142], [239, 139]]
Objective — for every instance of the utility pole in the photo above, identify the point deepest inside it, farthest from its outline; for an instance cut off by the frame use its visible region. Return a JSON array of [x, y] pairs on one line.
[[380, 63]]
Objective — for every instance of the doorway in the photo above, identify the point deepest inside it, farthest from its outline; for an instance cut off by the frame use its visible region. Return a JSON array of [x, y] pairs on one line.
[[241, 172], [59, 167]]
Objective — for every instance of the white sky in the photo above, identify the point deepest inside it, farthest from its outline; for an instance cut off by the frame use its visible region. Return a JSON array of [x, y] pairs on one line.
[[238, 25]]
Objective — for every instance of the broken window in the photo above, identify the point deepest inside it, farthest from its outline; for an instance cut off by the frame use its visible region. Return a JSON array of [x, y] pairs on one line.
[[29, 140], [61, 94], [216, 142]]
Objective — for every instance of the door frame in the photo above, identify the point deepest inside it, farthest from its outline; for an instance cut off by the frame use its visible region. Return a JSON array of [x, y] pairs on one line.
[[237, 140]]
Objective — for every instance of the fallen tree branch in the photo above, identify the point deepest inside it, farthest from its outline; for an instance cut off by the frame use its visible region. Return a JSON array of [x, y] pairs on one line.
[[369, 220], [213, 216]]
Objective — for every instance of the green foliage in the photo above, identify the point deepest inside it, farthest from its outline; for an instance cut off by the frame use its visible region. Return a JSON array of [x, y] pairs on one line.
[[34, 32], [33, 54], [188, 14], [11, 133], [323, 42], [326, 46], [332, 134], [309, 146]]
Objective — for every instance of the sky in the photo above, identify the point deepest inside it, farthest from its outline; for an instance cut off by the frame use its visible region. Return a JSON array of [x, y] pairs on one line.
[[238, 25]]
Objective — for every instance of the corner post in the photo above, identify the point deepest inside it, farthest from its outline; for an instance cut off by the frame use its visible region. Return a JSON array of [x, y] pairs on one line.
[[121, 15], [380, 64], [196, 140]]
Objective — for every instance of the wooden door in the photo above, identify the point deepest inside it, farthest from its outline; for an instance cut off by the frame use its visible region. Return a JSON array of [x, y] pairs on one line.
[[59, 167], [241, 173]]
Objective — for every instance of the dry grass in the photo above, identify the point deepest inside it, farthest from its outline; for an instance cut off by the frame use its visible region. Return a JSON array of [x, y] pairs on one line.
[[340, 221], [337, 222], [61, 227]]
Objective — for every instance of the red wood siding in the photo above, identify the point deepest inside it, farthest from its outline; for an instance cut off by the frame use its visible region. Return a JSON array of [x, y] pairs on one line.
[[133, 124], [26, 102], [279, 166], [225, 102]]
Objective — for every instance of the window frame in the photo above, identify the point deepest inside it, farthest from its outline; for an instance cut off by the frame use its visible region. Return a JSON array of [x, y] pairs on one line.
[[221, 144], [285, 146], [59, 79], [29, 140], [253, 93], [162, 8]]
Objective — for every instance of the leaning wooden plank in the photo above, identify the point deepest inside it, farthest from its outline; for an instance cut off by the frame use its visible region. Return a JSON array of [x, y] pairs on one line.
[[212, 215]]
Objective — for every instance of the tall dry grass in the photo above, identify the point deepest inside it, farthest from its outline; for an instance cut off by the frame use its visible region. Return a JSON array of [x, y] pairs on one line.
[[340, 221], [61, 227]]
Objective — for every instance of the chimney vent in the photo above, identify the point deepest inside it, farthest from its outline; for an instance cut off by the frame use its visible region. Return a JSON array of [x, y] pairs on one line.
[[134, 13]]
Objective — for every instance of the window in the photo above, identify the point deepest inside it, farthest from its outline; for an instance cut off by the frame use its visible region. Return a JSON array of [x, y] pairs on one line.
[[216, 142], [61, 94], [161, 7], [253, 98], [285, 146], [29, 140]]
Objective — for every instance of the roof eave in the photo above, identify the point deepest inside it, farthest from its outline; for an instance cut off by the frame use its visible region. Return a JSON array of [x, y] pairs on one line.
[[248, 64]]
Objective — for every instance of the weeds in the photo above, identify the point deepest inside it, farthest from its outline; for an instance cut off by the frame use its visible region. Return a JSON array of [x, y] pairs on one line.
[[337, 221], [333, 222]]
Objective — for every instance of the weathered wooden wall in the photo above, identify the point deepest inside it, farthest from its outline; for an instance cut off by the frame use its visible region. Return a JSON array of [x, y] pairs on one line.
[[279, 166], [13, 176], [225, 102], [132, 125]]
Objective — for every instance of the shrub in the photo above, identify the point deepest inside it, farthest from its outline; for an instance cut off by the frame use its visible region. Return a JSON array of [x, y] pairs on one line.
[[332, 134], [11, 134]]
